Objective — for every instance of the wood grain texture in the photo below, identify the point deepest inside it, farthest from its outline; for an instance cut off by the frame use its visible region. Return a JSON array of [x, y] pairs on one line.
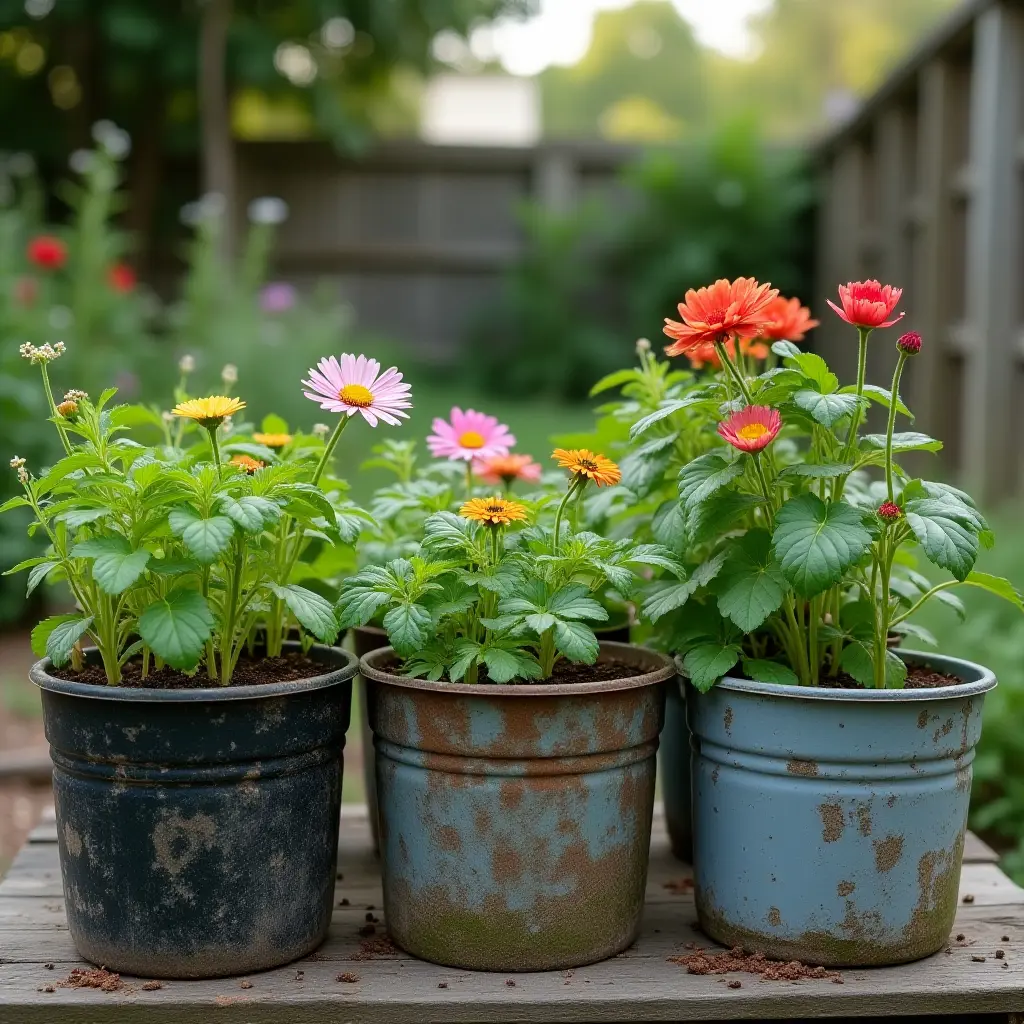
[[640, 984]]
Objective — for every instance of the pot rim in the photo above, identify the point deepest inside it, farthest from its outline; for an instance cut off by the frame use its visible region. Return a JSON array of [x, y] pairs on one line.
[[667, 671], [40, 675], [983, 681]]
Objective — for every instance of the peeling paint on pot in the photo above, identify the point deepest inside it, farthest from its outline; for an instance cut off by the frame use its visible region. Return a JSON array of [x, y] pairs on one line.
[[674, 771], [516, 820], [198, 829], [829, 824]]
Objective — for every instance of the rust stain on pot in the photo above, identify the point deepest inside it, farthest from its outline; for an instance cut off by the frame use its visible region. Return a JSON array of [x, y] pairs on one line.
[[714, 776], [774, 917], [864, 819], [922, 719], [511, 795], [833, 822], [727, 720], [507, 866], [177, 840], [944, 730], [72, 840], [888, 852], [844, 888], [806, 768], [448, 838]]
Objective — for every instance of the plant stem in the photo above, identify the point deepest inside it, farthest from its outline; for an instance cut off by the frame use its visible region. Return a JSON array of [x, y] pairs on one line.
[[212, 431], [765, 490], [921, 600], [862, 362], [892, 420], [469, 478], [882, 616], [329, 448], [736, 374], [53, 408], [572, 488]]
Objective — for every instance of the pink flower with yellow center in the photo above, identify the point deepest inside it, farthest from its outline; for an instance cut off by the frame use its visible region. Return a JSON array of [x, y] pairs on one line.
[[470, 436], [751, 429], [868, 304], [356, 385]]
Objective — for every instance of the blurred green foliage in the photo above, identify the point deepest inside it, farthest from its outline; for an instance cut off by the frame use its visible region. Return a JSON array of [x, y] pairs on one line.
[[591, 281]]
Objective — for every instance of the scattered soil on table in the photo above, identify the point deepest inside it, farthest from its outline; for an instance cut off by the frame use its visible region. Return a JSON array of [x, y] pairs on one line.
[[679, 886], [248, 672], [703, 962], [97, 977], [348, 978], [370, 949], [152, 986], [565, 672], [919, 677], [245, 983]]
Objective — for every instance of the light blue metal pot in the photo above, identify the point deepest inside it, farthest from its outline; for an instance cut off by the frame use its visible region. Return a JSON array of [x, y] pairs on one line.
[[829, 824], [674, 771]]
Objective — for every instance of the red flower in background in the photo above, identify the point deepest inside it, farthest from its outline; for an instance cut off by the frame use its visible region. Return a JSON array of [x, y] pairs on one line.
[[727, 309], [752, 428], [868, 304], [787, 320], [707, 354], [121, 277], [47, 252]]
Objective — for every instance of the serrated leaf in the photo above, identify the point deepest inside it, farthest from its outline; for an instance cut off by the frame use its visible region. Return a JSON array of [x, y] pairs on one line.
[[669, 525], [41, 632], [880, 395], [718, 514], [18, 501], [115, 566], [444, 530], [910, 441], [502, 666], [858, 660], [827, 410], [763, 671], [668, 598], [358, 605], [205, 538], [176, 627], [666, 409], [947, 537], [408, 626], [38, 574], [252, 513], [577, 642], [81, 517], [995, 585], [640, 474], [817, 472], [313, 611], [575, 602], [917, 632], [62, 639], [751, 585], [815, 368], [705, 475], [705, 664], [815, 543]]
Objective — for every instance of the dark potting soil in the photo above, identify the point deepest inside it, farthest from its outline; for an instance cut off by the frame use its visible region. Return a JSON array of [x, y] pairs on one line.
[[919, 677], [248, 672], [565, 673]]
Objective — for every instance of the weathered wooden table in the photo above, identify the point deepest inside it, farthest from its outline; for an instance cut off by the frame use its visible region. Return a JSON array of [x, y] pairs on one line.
[[967, 982]]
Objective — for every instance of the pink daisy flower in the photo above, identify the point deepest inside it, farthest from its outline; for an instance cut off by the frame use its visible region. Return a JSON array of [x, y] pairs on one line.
[[752, 428], [353, 385], [470, 435]]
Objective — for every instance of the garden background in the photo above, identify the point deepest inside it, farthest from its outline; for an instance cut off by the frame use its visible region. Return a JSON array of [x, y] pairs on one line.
[[500, 196]]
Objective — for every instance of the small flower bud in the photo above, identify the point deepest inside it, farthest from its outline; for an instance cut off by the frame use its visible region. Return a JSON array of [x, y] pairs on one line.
[[643, 346], [229, 374], [167, 416], [22, 475], [910, 343], [889, 512], [187, 364], [74, 395], [321, 430], [17, 462], [69, 410]]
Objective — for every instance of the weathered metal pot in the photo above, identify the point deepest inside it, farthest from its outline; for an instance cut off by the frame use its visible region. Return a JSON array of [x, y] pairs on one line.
[[674, 771], [829, 824], [516, 820], [198, 829], [366, 639]]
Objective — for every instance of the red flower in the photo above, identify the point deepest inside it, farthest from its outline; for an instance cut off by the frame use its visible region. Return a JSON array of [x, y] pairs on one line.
[[909, 343], [707, 354], [121, 277], [47, 252], [889, 512], [868, 304], [725, 310], [787, 320], [752, 428]]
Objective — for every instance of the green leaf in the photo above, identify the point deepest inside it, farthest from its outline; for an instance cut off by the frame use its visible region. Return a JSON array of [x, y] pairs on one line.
[[173, 566], [313, 611], [466, 654], [641, 474], [946, 533], [668, 598], [38, 574], [751, 585], [657, 445], [577, 642], [251, 513], [81, 517], [62, 638], [41, 632], [445, 530], [817, 543], [358, 605], [858, 659], [18, 501], [663, 412], [713, 517], [911, 441], [880, 395], [704, 476], [816, 472], [176, 627], [408, 626], [996, 585], [763, 671], [917, 632], [669, 525], [705, 664], [274, 425], [616, 380], [825, 409], [814, 367], [115, 566], [787, 349], [575, 602], [205, 538], [502, 665]]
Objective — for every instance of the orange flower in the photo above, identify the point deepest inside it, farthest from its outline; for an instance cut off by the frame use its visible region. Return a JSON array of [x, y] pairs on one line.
[[787, 320], [504, 469], [726, 310], [707, 354], [494, 511], [585, 463], [247, 462]]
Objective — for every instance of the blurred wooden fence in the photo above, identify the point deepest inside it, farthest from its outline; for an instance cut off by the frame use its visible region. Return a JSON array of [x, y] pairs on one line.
[[416, 235], [924, 189]]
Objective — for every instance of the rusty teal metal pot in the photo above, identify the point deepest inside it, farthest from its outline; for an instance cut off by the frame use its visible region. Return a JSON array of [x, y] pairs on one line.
[[366, 639], [829, 824], [516, 820], [674, 771], [198, 829]]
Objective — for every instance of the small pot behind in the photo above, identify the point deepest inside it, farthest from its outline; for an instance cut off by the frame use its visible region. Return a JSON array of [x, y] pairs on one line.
[[516, 820], [198, 829], [829, 824], [366, 639], [674, 771]]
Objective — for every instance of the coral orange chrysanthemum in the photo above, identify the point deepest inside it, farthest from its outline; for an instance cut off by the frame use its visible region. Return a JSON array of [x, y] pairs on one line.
[[727, 309], [494, 511], [787, 320], [504, 469], [752, 428], [707, 354], [868, 304], [247, 462], [273, 440], [209, 412], [582, 462]]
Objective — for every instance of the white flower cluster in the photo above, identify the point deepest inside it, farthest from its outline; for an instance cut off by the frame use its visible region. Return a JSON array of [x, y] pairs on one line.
[[19, 464], [229, 374], [321, 430], [187, 364], [42, 353], [74, 395]]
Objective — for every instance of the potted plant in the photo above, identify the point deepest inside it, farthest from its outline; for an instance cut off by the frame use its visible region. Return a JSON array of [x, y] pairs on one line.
[[832, 771], [515, 752], [196, 752]]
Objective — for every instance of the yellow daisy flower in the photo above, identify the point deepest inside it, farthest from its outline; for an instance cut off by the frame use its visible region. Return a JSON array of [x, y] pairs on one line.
[[273, 440], [493, 511], [209, 412], [583, 462]]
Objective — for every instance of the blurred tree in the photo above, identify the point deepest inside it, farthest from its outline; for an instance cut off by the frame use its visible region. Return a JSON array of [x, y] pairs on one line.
[[64, 65]]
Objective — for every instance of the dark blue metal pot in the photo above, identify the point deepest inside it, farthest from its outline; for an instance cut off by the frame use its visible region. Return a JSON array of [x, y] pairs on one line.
[[516, 820], [198, 829], [829, 824], [674, 771], [366, 639]]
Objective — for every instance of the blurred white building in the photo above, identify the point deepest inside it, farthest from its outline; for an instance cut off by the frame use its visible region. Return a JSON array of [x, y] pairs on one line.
[[481, 110]]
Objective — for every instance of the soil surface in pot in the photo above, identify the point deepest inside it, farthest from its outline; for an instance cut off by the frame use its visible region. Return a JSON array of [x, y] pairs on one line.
[[565, 672], [919, 677], [248, 672]]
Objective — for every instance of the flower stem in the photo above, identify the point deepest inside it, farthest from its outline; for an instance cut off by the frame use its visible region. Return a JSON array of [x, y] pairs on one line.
[[765, 489], [734, 371], [53, 408], [893, 399], [329, 449], [469, 478], [862, 362], [570, 491], [216, 450]]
